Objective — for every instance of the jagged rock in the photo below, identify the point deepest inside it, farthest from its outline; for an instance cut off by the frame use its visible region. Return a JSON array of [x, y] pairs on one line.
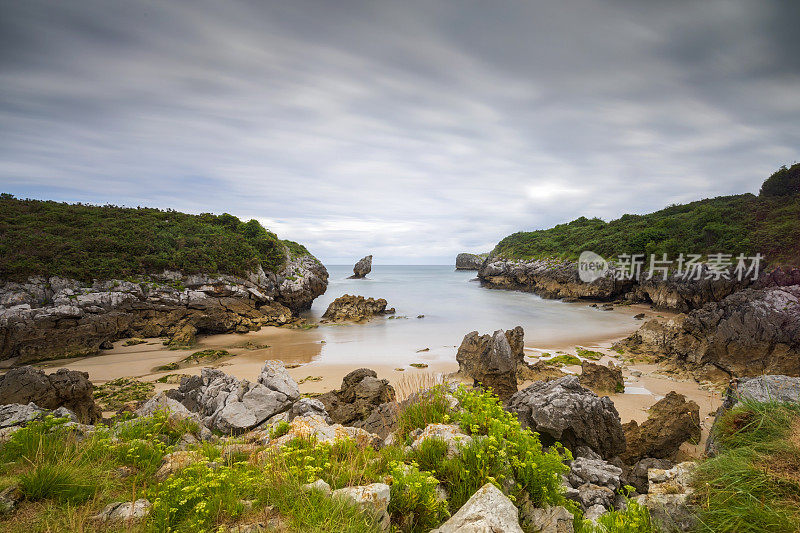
[[63, 388], [594, 512], [17, 414], [637, 476], [759, 389], [668, 498], [487, 510], [466, 261], [449, 433], [490, 361], [590, 495], [54, 317], [361, 394], [563, 411], [314, 426], [309, 406], [362, 267], [233, 406], [124, 511], [601, 378], [546, 520], [672, 421], [750, 332], [595, 471], [383, 419], [319, 485], [373, 498], [355, 309]]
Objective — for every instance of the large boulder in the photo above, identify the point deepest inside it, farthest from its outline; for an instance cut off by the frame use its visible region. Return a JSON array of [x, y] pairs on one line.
[[373, 499], [487, 510], [361, 394], [602, 379], [561, 410], [63, 388], [465, 261], [362, 267], [669, 499], [355, 309], [493, 360], [760, 389], [303, 279], [234, 406], [672, 421]]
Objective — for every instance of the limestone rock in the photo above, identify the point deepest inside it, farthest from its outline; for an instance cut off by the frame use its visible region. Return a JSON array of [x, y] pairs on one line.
[[361, 393], [487, 510], [362, 267], [490, 361], [595, 471], [547, 520], [63, 388], [303, 279], [309, 406], [124, 511], [319, 485], [234, 406], [672, 421], [637, 476], [9, 499], [602, 379], [563, 411], [355, 309], [449, 433], [373, 498], [668, 498], [314, 426], [465, 261]]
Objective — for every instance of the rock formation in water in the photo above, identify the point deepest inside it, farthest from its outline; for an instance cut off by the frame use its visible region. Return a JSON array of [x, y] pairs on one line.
[[465, 261], [362, 267], [750, 332], [355, 309], [53, 317], [64, 388]]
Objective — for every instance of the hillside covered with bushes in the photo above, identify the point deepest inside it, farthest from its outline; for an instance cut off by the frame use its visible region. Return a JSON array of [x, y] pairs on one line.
[[768, 224], [87, 242]]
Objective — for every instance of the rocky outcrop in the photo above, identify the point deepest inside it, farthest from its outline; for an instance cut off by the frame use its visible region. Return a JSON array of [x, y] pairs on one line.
[[490, 361], [63, 388], [361, 394], [669, 498], [563, 411], [355, 309], [373, 499], [466, 261], [362, 267], [233, 406], [760, 389], [593, 482], [672, 421], [487, 510], [17, 415], [54, 317], [550, 278], [751, 332], [602, 379]]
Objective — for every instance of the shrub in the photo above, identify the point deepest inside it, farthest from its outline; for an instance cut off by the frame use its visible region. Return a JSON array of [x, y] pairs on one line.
[[634, 519], [784, 182], [415, 504]]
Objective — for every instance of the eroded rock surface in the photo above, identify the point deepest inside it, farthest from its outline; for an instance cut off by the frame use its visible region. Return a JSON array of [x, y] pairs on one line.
[[602, 379], [362, 267], [360, 395], [672, 421], [490, 361], [63, 388], [355, 309], [487, 510], [561, 410], [465, 261]]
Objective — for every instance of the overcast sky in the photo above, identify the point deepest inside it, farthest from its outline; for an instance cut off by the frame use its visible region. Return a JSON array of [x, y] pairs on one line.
[[409, 130]]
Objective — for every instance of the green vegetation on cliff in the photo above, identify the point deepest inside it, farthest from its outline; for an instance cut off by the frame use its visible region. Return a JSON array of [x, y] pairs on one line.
[[768, 224], [88, 242]]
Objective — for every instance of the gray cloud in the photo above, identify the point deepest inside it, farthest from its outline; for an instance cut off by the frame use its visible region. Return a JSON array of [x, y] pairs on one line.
[[411, 130]]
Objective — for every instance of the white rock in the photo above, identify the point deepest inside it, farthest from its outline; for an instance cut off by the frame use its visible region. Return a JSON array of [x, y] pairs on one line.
[[488, 510], [372, 498], [449, 433], [124, 511], [318, 485]]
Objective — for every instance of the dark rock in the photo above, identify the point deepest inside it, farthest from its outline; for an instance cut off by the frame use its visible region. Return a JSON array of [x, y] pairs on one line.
[[637, 475], [672, 421], [382, 420], [602, 379], [63, 388], [491, 361], [466, 261], [563, 411], [362, 267], [639, 316], [361, 394], [355, 309], [308, 406]]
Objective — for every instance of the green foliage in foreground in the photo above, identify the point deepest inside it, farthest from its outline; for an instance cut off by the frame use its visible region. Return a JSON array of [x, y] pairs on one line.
[[768, 224], [66, 477], [87, 242], [753, 484]]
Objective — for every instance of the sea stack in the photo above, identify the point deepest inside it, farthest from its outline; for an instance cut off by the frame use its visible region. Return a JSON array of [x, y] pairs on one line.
[[362, 267]]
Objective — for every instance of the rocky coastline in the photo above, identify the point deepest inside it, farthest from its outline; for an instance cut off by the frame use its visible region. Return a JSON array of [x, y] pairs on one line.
[[465, 261], [47, 318]]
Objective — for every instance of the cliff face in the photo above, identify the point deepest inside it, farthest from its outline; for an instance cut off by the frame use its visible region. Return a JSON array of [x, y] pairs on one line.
[[53, 317], [466, 261], [751, 332]]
